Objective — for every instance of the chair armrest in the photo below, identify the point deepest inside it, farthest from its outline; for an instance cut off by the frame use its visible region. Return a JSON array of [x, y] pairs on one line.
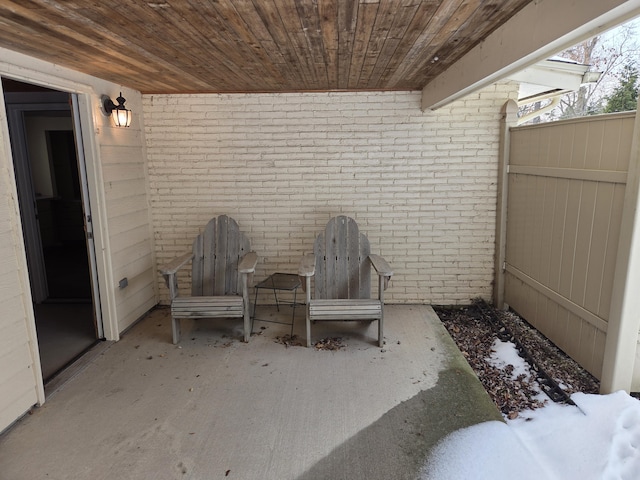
[[306, 270], [248, 263], [381, 266], [307, 266], [176, 264], [169, 272]]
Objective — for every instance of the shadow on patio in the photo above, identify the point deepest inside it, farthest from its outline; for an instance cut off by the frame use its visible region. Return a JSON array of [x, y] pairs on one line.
[[214, 407]]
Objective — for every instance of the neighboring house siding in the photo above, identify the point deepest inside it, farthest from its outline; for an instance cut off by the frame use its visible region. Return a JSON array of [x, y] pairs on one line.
[[421, 185]]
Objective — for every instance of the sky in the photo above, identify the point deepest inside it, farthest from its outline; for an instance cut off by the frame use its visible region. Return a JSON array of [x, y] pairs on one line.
[[598, 439]]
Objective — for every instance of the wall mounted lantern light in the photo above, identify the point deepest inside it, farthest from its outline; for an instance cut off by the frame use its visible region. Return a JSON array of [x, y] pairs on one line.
[[121, 115]]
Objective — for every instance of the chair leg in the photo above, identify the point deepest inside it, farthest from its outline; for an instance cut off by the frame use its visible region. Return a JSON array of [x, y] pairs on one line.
[[380, 332], [247, 324], [175, 327], [307, 291], [246, 307]]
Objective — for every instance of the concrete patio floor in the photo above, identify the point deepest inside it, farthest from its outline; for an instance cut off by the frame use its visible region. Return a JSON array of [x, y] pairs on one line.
[[215, 407]]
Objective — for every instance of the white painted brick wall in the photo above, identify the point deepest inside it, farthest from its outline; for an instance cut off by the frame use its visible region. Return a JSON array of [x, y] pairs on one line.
[[421, 185]]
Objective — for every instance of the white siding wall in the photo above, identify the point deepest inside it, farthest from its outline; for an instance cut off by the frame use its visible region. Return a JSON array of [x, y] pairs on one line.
[[422, 185], [127, 209], [19, 370], [117, 178]]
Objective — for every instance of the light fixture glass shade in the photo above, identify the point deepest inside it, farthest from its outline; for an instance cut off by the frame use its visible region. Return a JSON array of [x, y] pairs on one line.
[[121, 117]]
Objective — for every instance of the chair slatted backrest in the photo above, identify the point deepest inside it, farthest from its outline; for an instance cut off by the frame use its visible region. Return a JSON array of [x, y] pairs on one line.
[[217, 251], [342, 269]]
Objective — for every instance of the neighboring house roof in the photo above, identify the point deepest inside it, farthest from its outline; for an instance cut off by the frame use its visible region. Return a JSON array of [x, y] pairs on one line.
[[551, 77]]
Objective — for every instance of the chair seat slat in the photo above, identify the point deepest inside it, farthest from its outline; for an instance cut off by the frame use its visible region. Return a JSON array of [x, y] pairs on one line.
[[344, 310]]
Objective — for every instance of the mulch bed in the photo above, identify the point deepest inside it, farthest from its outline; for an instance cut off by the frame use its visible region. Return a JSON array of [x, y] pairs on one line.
[[475, 328]]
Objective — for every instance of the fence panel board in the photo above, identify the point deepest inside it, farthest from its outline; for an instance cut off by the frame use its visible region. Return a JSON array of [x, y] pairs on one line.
[[565, 196]]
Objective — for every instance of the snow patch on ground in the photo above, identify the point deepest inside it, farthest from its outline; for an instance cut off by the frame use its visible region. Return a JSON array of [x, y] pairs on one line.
[[506, 353], [598, 439]]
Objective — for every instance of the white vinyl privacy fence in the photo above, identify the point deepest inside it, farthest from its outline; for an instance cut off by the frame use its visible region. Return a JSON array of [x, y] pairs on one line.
[[565, 238]]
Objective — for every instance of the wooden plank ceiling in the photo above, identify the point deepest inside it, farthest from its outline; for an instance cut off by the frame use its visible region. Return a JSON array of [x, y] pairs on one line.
[[224, 46]]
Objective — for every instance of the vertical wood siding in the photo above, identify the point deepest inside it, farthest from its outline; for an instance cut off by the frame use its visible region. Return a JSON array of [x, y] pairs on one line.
[[566, 190]]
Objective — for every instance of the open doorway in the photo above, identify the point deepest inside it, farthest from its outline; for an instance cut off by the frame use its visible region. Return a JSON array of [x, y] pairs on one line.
[[55, 214]]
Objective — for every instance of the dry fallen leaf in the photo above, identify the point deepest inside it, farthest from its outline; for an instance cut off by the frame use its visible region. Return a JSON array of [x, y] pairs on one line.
[[334, 343], [475, 332]]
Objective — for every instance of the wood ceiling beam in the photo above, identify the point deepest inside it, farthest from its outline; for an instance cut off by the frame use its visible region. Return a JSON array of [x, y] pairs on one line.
[[538, 31]]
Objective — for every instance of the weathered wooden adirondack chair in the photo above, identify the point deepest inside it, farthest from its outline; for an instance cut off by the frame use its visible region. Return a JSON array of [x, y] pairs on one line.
[[222, 265], [341, 263]]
